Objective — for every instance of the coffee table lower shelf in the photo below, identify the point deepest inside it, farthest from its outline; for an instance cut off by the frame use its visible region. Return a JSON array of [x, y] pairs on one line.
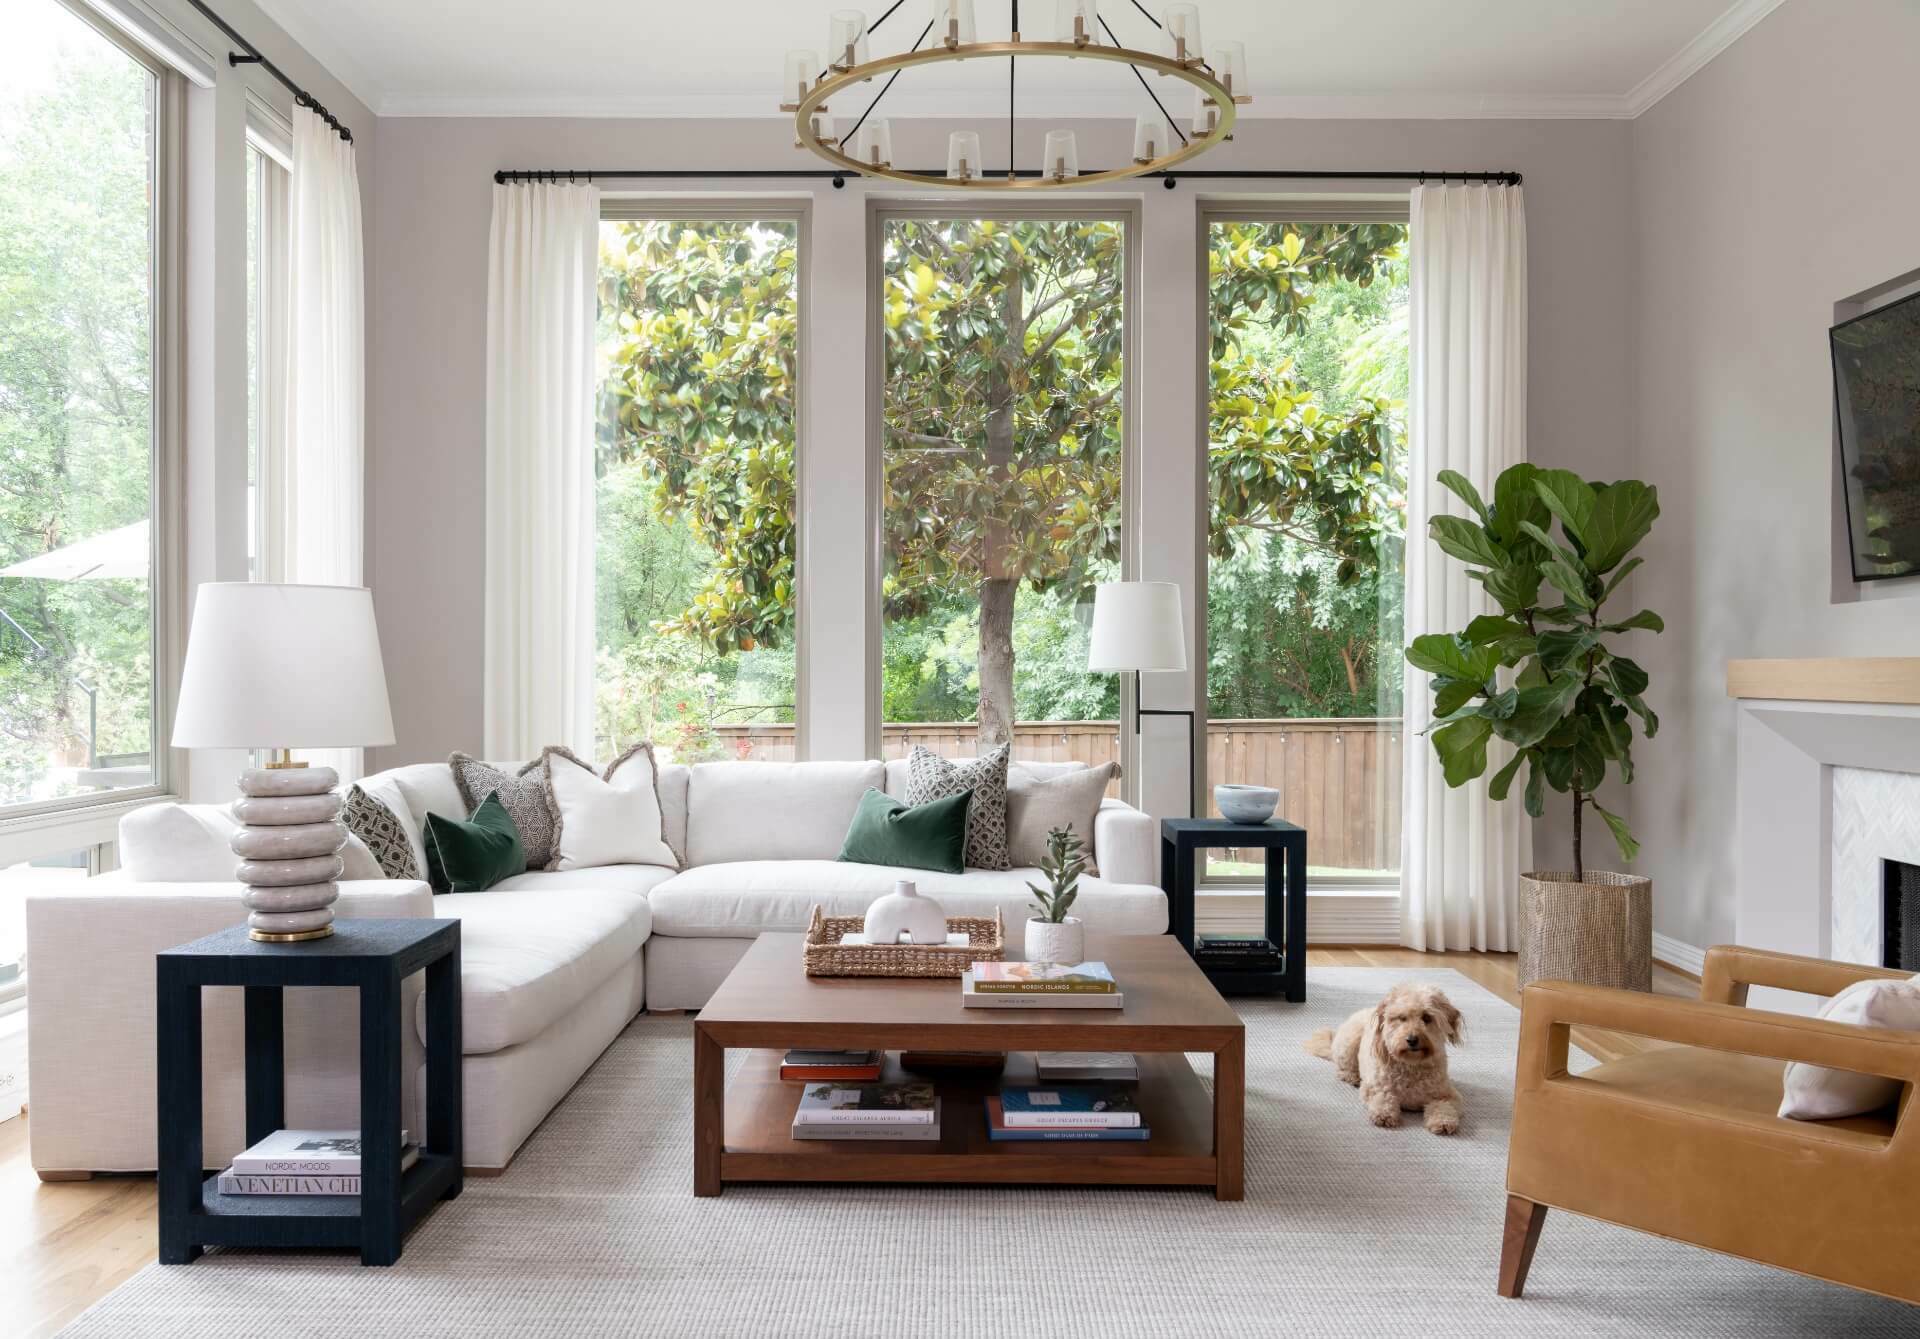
[[759, 1145]]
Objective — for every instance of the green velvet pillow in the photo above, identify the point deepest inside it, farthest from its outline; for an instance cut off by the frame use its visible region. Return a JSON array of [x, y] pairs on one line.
[[471, 857], [924, 836]]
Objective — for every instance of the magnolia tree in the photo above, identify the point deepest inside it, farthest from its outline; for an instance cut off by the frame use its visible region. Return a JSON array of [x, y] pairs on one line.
[[1001, 414]]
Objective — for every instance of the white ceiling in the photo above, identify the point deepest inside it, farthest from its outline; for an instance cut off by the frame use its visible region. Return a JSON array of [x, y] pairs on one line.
[[1418, 58]]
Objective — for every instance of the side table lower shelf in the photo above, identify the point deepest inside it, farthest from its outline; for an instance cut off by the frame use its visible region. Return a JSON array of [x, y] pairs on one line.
[[313, 1220]]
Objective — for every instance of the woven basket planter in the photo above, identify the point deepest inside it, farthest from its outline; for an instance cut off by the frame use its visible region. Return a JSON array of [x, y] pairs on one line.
[[1597, 931]]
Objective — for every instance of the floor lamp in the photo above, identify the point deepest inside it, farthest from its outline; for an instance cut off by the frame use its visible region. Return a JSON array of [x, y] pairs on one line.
[[1138, 627]]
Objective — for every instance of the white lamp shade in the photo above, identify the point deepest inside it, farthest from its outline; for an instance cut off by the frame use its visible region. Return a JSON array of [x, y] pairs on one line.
[[1137, 625], [280, 666]]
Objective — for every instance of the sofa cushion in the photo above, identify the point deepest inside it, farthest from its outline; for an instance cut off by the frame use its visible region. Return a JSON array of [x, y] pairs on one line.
[[931, 777], [1038, 805], [773, 810], [523, 794], [673, 779], [635, 880], [473, 856], [610, 818], [190, 843], [742, 899], [528, 957], [427, 788], [383, 829], [930, 836]]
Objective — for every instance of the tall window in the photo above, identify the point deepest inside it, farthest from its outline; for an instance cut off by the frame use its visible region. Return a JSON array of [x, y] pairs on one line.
[[79, 130], [268, 184], [699, 341], [1307, 489], [1001, 451]]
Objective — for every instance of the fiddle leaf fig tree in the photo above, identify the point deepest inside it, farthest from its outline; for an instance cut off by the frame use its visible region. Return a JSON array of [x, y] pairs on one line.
[[1544, 674]]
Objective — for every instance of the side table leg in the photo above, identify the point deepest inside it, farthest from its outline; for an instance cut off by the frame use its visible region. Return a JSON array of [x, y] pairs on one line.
[[177, 1021], [709, 1111], [379, 1118], [265, 1014], [1296, 964], [1230, 1119], [445, 1099]]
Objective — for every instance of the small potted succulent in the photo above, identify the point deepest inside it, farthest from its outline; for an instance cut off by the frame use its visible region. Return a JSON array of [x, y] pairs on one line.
[[1052, 935]]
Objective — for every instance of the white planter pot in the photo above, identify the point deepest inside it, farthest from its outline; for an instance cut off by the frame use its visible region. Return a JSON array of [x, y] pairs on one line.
[[1063, 943]]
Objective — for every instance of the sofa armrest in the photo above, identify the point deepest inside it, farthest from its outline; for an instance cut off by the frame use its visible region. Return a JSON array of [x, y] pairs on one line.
[[1549, 1008], [1730, 970], [90, 1027], [1126, 844]]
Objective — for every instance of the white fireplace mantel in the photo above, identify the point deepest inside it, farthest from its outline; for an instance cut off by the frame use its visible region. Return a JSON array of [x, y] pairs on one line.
[[1798, 721]]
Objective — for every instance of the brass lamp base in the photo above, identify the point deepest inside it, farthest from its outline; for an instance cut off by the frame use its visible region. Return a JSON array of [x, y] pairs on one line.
[[296, 937]]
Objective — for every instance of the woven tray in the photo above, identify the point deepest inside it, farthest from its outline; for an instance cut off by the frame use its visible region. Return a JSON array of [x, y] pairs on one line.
[[827, 956]]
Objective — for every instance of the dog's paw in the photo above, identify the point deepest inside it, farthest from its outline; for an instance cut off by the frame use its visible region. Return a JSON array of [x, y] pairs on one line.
[[1352, 1080], [1384, 1117], [1444, 1124]]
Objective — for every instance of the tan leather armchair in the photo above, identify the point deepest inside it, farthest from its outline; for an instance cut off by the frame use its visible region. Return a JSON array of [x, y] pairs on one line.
[[1683, 1141]]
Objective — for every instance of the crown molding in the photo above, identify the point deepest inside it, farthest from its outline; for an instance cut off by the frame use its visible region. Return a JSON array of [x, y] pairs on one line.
[[1308, 107], [314, 35], [1690, 59]]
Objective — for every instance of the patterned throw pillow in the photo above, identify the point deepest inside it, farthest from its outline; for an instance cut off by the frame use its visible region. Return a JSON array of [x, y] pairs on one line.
[[931, 777], [523, 796], [373, 823]]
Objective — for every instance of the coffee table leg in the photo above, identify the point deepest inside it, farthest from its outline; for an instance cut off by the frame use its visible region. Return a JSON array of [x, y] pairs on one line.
[[709, 1111], [1230, 1119]]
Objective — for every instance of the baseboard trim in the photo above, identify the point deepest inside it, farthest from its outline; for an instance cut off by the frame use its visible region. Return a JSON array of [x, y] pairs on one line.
[[1356, 918], [1679, 955]]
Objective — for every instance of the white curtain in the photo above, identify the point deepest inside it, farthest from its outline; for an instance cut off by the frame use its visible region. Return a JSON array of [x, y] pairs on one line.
[[541, 306], [316, 509], [1461, 854]]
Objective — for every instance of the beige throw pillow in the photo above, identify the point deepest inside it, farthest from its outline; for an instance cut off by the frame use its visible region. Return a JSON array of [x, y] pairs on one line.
[[1812, 1092], [610, 819], [1036, 806]]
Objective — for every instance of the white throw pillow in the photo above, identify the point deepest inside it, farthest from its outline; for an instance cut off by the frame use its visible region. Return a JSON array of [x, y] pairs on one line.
[[1813, 1092], [606, 820]]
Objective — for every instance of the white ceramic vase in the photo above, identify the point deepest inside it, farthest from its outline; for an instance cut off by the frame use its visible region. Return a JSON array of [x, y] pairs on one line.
[[1063, 942], [904, 910]]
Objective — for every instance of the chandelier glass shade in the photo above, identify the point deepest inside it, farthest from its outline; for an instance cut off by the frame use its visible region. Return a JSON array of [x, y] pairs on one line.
[[1218, 86]]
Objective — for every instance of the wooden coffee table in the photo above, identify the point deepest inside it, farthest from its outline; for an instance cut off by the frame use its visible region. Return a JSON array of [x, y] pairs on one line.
[[768, 1003]]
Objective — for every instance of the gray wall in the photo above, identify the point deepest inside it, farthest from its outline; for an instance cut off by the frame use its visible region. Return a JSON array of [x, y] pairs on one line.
[[1778, 181], [427, 338]]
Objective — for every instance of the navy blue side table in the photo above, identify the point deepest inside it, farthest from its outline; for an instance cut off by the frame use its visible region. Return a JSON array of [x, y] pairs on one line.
[[1181, 841], [374, 957]]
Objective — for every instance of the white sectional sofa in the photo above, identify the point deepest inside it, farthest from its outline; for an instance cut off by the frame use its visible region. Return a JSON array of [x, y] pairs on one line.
[[554, 964]]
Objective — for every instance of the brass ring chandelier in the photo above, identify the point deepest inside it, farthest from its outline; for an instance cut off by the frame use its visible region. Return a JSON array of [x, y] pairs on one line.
[[1218, 84]]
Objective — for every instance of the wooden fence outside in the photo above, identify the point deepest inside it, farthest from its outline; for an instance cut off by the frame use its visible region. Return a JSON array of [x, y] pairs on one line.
[[1338, 777]]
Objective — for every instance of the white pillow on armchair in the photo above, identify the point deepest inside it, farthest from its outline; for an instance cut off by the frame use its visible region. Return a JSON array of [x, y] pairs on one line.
[[1813, 1092]]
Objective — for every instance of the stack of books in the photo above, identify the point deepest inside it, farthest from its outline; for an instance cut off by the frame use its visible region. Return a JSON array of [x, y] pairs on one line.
[[1040, 985], [868, 1111], [1237, 953], [304, 1162], [803, 1066], [1085, 1066], [1067, 1112]]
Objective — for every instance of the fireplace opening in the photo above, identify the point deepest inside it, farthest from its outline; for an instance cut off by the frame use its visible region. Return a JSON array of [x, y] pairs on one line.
[[1900, 915]]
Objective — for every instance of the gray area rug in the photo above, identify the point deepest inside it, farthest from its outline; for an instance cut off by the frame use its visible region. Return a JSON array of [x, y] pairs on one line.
[[1346, 1230]]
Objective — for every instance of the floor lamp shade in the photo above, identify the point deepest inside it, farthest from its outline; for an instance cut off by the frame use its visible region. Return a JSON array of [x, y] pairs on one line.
[[1137, 625], [279, 667]]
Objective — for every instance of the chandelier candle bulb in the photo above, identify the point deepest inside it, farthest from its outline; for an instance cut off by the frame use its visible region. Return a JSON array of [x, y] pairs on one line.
[[1063, 155], [873, 144], [955, 19], [802, 68], [1182, 26], [1150, 138], [847, 36], [963, 155], [1077, 22], [1206, 116], [1230, 68]]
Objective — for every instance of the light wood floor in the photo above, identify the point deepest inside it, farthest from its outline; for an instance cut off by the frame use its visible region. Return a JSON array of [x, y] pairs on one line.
[[63, 1246]]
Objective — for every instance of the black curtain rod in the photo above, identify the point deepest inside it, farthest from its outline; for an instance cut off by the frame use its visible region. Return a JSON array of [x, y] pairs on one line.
[[251, 56], [839, 175]]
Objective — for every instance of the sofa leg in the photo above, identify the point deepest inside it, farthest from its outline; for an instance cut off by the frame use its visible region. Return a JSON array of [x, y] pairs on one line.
[[46, 1175], [1522, 1234]]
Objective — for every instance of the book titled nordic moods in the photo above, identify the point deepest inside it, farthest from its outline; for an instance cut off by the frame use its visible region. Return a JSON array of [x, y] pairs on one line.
[[304, 1153], [1095, 1104], [1043, 978], [913, 1131], [866, 1104], [972, 998], [235, 1182], [998, 1129]]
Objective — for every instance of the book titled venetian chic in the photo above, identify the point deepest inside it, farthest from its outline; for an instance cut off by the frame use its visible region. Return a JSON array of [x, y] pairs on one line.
[[1043, 978]]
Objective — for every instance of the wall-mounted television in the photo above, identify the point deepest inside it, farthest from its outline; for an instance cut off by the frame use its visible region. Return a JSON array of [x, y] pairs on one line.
[[1876, 396]]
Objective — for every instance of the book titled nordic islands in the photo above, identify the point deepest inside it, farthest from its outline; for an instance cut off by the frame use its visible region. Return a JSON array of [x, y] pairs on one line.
[[1069, 1104], [866, 1103], [1043, 978]]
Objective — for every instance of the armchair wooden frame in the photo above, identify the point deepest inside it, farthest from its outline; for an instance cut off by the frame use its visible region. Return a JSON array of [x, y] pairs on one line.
[[1830, 1199]]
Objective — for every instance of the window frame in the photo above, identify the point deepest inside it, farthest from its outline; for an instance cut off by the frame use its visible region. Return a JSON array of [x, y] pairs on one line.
[[1396, 208], [269, 275], [625, 207], [1128, 211], [31, 829]]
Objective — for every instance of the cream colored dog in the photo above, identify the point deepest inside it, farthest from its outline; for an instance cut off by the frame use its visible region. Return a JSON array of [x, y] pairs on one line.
[[1396, 1054]]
